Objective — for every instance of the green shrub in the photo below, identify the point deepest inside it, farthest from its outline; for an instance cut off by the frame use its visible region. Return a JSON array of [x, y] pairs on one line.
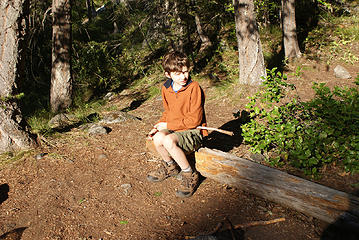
[[306, 135]]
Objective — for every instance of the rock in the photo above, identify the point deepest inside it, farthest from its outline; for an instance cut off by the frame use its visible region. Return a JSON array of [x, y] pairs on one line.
[[126, 187], [109, 96], [341, 72], [117, 117], [40, 156], [62, 120], [125, 92], [102, 156], [86, 126], [97, 130]]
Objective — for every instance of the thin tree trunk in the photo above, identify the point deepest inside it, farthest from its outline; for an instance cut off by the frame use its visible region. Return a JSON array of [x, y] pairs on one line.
[[61, 81], [290, 41], [204, 38], [90, 9], [251, 60], [13, 27], [179, 27]]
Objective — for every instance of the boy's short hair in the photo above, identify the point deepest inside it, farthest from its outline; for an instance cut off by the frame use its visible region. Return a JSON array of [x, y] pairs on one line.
[[175, 61]]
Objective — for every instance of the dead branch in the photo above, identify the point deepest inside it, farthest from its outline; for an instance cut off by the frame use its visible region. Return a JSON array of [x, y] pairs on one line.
[[240, 226], [258, 223], [43, 19]]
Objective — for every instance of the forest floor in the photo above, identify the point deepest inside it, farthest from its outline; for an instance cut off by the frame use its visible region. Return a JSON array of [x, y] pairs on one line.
[[94, 186]]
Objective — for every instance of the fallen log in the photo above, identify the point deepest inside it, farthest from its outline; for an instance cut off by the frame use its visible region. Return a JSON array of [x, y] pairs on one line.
[[302, 195]]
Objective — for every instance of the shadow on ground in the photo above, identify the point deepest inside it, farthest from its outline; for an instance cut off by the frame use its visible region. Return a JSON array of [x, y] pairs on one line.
[[223, 142], [346, 226], [14, 234], [4, 192]]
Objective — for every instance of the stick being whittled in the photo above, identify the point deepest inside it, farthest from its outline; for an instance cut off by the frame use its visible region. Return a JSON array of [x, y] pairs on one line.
[[216, 129]]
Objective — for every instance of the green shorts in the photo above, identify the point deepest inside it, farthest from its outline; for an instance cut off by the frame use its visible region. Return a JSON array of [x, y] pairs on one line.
[[189, 140]]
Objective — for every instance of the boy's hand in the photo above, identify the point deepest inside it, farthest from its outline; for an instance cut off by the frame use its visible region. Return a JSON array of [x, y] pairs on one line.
[[160, 126], [152, 133]]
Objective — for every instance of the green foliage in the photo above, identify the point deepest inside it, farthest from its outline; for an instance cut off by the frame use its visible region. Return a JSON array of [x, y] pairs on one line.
[[267, 11], [97, 70], [307, 135], [13, 157], [92, 65], [326, 5], [12, 97], [39, 121], [84, 113], [335, 38]]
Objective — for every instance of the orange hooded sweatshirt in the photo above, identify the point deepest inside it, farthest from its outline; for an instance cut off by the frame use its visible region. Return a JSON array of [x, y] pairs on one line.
[[183, 110]]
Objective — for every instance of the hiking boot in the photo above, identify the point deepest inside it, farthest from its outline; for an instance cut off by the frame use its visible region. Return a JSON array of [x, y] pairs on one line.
[[189, 184], [163, 172]]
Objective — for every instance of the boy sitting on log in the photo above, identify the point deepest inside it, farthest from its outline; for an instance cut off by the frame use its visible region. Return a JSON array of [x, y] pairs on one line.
[[175, 134]]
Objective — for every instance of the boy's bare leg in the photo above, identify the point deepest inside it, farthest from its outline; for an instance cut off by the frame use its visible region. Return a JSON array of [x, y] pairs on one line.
[[170, 144], [166, 145], [158, 141]]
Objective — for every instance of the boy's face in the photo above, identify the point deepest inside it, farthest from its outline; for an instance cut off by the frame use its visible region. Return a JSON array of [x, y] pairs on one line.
[[179, 78]]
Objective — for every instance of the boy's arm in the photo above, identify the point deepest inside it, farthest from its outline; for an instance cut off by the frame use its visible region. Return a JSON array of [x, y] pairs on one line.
[[195, 115], [165, 107]]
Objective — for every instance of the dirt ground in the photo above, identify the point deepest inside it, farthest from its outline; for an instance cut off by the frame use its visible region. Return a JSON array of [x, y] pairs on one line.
[[94, 186]]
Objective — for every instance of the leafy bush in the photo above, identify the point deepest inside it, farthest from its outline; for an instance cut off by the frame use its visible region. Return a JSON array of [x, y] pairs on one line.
[[307, 135]]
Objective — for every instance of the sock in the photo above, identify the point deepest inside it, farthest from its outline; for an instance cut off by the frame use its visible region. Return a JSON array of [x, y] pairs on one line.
[[187, 170], [170, 162]]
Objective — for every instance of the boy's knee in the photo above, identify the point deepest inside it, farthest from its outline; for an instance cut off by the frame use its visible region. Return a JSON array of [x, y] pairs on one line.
[[169, 141], [158, 138]]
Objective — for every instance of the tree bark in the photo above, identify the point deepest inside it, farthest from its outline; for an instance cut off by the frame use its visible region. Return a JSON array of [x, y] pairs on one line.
[[13, 26], [90, 9], [290, 41], [206, 42], [180, 32], [61, 81], [251, 60], [308, 197]]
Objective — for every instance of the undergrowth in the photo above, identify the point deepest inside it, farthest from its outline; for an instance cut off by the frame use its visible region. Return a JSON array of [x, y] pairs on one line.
[[333, 37], [306, 135], [8, 158]]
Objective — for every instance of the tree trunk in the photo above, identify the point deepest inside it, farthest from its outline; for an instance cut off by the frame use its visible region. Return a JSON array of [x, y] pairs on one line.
[[206, 42], [180, 32], [290, 41], [308, 197], [90, 9], [13, 26], [251, 60], [61, 81]]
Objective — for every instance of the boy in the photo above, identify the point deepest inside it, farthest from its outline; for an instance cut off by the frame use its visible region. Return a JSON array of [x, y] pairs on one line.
[[175, 134]]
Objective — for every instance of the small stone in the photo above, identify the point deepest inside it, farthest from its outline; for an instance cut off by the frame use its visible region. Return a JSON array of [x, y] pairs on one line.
[[40, 156], [117, 117], [97, 130], [341, 72], [62, 120], [126, 187], [109, 96], [102, 156]]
